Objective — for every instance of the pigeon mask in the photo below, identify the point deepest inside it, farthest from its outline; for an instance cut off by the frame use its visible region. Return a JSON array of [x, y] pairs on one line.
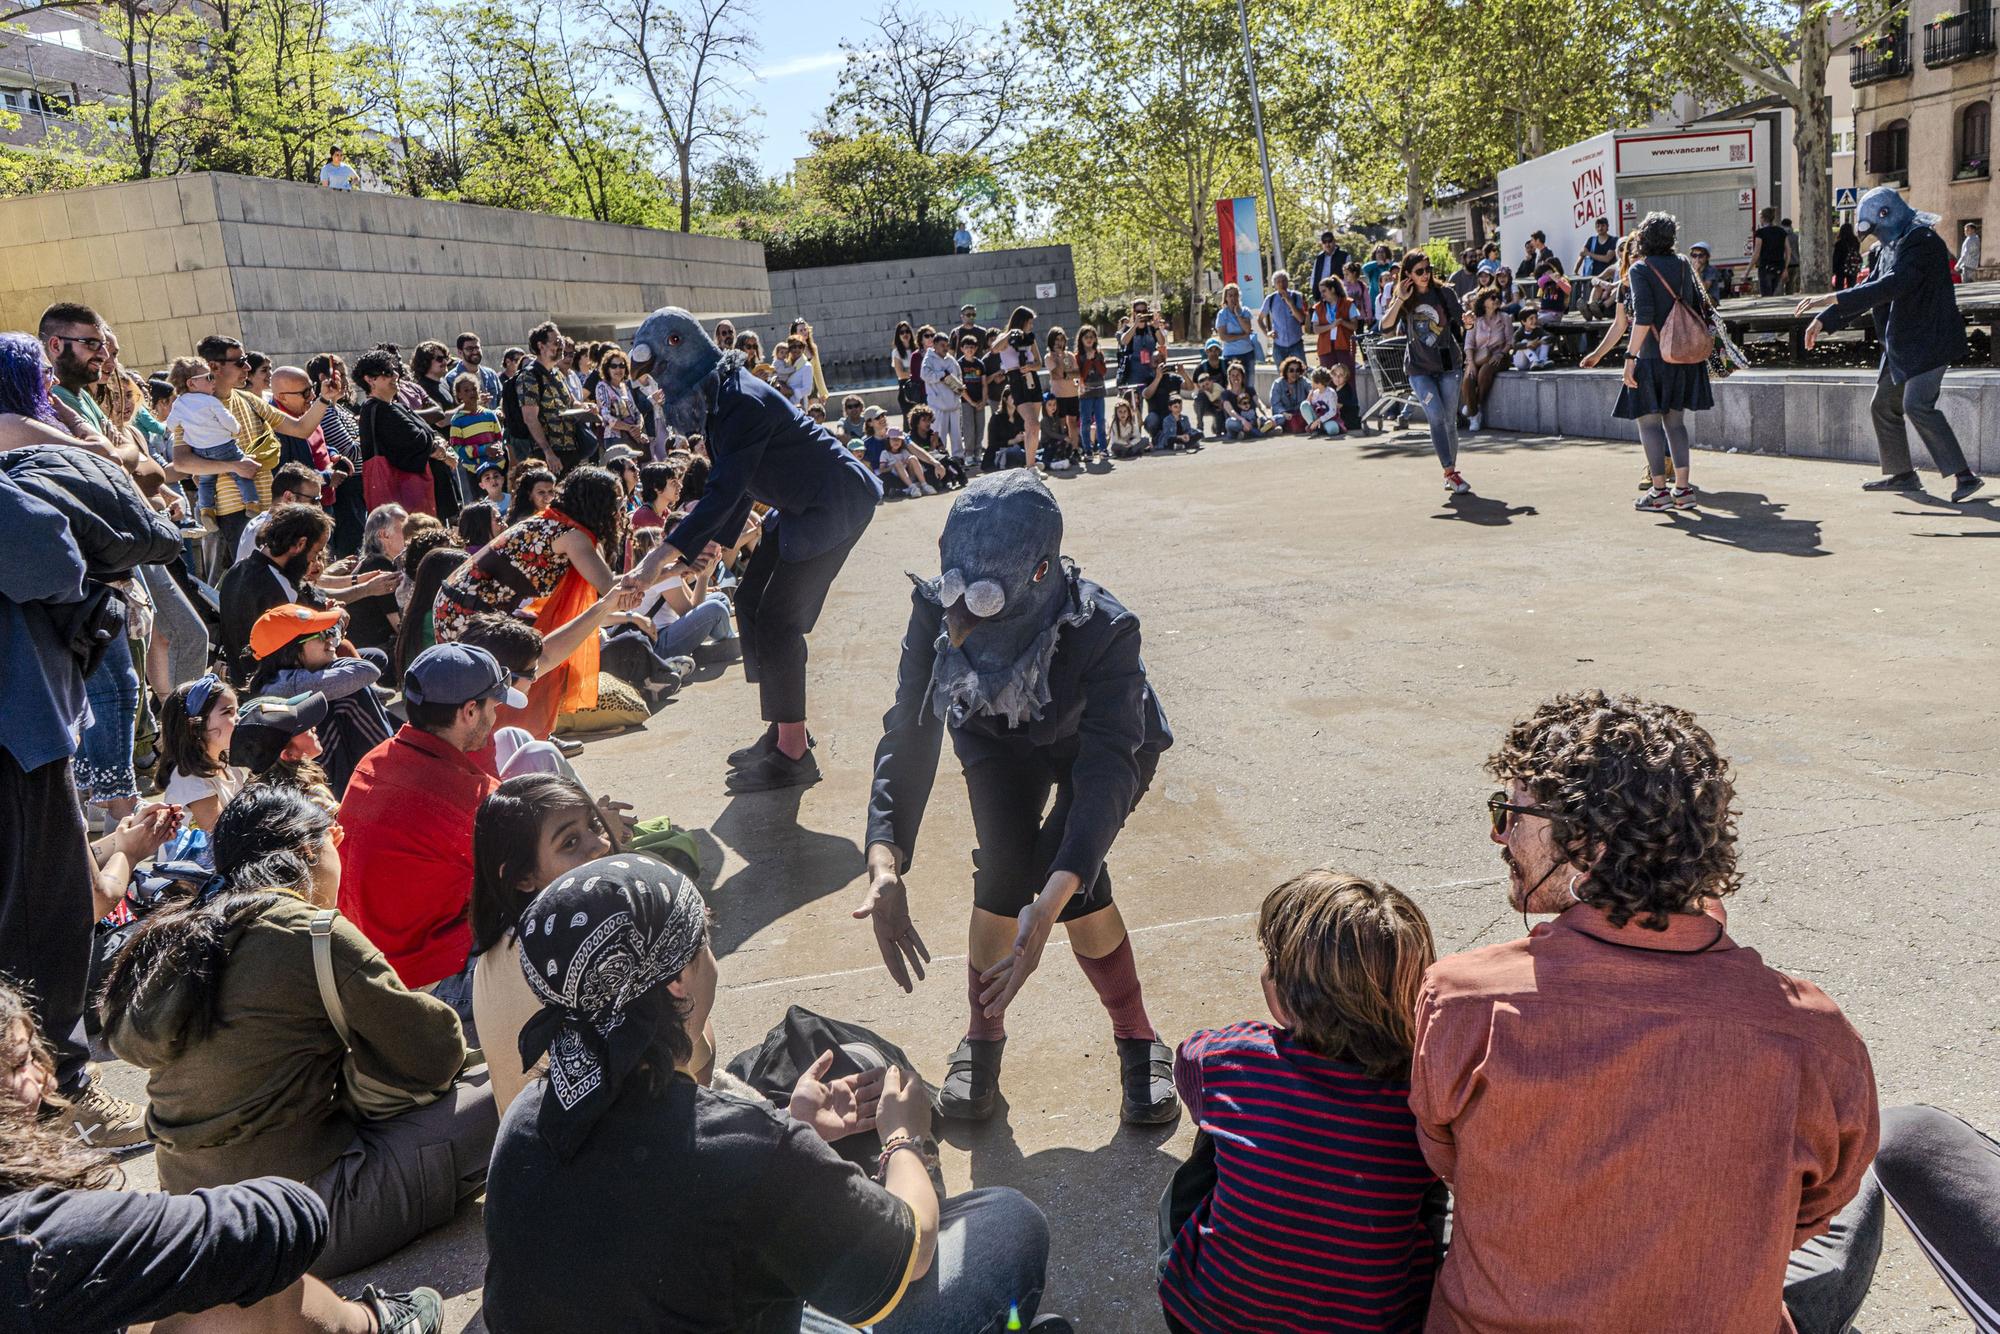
[[677, 352], [1883, 212], [1006, 592]]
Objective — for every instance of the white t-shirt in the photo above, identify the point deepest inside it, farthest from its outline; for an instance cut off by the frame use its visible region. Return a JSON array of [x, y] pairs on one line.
[[203, 420], [185, 789], [655, 602], [337, 176]]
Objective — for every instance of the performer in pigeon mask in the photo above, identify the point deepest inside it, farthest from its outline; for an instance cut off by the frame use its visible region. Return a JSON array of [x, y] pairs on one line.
[[1922, 335], [1036, 674], [763, 449]]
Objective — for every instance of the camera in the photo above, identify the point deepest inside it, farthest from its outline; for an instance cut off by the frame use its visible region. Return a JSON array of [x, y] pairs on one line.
[[1016, 339]]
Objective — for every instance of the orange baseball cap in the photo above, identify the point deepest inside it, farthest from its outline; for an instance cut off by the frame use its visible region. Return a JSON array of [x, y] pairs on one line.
[[283, 624]]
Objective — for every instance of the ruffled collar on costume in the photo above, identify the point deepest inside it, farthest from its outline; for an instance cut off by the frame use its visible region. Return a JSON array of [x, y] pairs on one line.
[[1016, 692]]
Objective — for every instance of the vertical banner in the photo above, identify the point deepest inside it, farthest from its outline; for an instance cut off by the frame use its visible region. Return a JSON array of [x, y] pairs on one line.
[[1241, 253]]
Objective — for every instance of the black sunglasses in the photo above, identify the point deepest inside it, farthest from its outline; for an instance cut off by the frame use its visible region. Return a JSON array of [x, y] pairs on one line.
[[1502, 812]]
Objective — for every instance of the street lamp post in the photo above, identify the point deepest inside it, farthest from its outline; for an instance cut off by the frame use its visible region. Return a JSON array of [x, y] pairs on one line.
[[1257, 119]]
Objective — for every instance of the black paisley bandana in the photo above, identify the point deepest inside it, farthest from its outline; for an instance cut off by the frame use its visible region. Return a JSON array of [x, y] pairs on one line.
[[598, 947]]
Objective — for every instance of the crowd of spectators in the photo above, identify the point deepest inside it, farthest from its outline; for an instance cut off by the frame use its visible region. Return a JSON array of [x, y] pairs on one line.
[[292, 828]]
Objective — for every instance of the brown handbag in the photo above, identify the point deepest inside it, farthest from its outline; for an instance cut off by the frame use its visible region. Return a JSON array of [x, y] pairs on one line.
[[1685, 339]]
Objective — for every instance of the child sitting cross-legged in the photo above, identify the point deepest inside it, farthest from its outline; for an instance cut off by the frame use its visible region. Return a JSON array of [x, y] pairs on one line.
[[1310, 1198], [1321, 409]]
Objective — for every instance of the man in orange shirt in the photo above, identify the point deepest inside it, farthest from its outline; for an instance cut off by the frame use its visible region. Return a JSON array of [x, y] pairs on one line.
[[1640, 1120]]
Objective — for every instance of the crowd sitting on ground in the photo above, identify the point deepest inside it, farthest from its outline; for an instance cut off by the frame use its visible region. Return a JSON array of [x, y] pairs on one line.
[[378, 950]]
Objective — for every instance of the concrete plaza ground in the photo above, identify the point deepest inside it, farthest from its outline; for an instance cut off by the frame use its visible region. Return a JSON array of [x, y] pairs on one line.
[[1339, 649]]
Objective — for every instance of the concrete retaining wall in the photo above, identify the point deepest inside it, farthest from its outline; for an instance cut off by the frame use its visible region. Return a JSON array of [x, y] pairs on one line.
[[294, 270], [853, 308]]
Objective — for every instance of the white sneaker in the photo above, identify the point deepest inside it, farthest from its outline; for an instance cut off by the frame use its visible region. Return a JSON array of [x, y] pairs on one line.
[[927, 489], [1474, 422]]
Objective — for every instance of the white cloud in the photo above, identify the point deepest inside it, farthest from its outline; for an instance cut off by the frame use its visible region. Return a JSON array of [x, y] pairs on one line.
[[809, 64]]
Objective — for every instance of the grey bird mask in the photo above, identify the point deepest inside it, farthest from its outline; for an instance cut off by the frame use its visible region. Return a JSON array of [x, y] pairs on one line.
[[1006, 592], [1884, 212], [677, 352]]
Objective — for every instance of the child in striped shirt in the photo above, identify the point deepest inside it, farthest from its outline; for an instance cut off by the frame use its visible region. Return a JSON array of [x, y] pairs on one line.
[[476, 433], [1318, 1215]]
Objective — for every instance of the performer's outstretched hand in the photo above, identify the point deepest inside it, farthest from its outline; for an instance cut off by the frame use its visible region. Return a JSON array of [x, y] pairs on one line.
[[888, 908], [1005, 979], [844, 1107]]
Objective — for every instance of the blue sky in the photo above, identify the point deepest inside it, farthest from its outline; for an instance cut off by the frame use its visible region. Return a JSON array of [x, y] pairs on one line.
[[801, 59]]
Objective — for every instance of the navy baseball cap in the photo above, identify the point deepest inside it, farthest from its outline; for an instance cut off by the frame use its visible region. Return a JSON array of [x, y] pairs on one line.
[[458, 673]]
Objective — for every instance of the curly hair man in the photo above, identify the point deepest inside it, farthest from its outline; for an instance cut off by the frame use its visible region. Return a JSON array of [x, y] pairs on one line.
[[1629, 1074]]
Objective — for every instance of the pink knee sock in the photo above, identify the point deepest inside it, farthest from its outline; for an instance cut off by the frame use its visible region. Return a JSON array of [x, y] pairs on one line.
[[1116, 977], [981, 1028]]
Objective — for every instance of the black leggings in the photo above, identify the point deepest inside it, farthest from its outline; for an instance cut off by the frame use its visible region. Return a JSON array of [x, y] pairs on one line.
[[45, 905], [1017, 843], [778, 602]]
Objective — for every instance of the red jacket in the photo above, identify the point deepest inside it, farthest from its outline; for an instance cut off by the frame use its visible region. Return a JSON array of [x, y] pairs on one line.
[[406, 864]]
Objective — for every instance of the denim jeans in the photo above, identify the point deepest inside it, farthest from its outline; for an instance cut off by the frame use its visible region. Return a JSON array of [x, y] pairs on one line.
[[1438, 396], [456, 991], [992, 1263], [707, 620], [1091, 428], [104, 752], [1283, 351]]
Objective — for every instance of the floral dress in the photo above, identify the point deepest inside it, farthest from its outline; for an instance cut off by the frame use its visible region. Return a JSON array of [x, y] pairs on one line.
[[520, 565]]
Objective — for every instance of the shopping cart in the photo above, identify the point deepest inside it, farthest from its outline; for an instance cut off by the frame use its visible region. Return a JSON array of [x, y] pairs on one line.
[[1393, 394]]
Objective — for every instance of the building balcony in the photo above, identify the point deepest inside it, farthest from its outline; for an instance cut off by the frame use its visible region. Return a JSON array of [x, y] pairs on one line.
[[1960, 37], [1887, 57]]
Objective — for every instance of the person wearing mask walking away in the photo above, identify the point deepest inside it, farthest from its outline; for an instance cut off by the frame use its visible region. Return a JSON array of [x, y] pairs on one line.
[[1922, 335], [763, 451], [1283, 316], [92, 1256], [1319, 1100], [335, 173], [1767, 255], [1428, 315], [1329, 262], [1969, 254], [1036, 674], [71, 524], [744, 1195], [1617, 819], [408, 812], [1658, 393]]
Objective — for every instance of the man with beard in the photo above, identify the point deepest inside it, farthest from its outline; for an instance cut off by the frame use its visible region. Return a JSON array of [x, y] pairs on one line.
[[77, 346], [1922, 335], [1036, 674], [763, 450], [277, 572]]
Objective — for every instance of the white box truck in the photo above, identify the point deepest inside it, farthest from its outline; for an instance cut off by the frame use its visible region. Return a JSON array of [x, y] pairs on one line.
[[1713, 178]]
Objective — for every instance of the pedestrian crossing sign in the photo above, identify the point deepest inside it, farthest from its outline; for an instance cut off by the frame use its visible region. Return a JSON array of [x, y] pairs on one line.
[[1846, 197]]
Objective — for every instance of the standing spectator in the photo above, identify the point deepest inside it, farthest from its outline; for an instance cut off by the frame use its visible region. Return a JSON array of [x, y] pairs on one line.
[[549, 409], [397, 443], [1236, 329], [1428, 314], [617, 404], [477, 438], [334, 173], [1922, 335], [1467, 276], [1617, 818], [1791, 255], [794, 372], [961, 240], [906, 359], [972, 412], [1378, 264], [1283, 316], [1335, 319], [1065, 390], [1768, 250], [340, 429], [1092, 371], [70, 524], [1600, 250], [1968, 253], [1021, 361], [1658, 393], [1490, 261], [1715, 282], [944, 392], [472, 361], [1330, 262], [1142, 345], [409, 811], [1847, 257], [257, 423]]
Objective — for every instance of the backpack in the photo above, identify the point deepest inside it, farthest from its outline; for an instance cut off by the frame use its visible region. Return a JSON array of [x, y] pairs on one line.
[[1684, 337]]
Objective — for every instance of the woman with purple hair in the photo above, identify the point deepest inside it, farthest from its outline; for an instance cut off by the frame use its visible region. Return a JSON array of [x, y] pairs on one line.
[[27, 413]]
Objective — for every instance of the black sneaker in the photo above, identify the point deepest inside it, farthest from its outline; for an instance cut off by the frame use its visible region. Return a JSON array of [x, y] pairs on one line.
[[774, 770], [418, 1311], [763, 745], [1968, 486], [1146, 1073], [1901, 481], [972, 1080]]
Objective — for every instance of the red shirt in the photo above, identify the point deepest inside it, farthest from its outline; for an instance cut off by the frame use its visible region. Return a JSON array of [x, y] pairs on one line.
[[1633, 1123], [406, 864]]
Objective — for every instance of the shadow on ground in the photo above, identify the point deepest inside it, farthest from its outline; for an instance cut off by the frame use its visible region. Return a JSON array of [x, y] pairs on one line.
[[785, 866], [1749, 521]]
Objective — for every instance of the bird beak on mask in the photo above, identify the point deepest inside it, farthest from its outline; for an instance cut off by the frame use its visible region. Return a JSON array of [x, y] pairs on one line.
[[958, 623], [641, 359]]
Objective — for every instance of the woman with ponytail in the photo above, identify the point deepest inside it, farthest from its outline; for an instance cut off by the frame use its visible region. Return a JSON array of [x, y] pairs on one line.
[[217, 998]]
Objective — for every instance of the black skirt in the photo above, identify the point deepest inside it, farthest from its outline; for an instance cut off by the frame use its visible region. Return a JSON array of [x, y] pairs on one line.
[[1662, 386]]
